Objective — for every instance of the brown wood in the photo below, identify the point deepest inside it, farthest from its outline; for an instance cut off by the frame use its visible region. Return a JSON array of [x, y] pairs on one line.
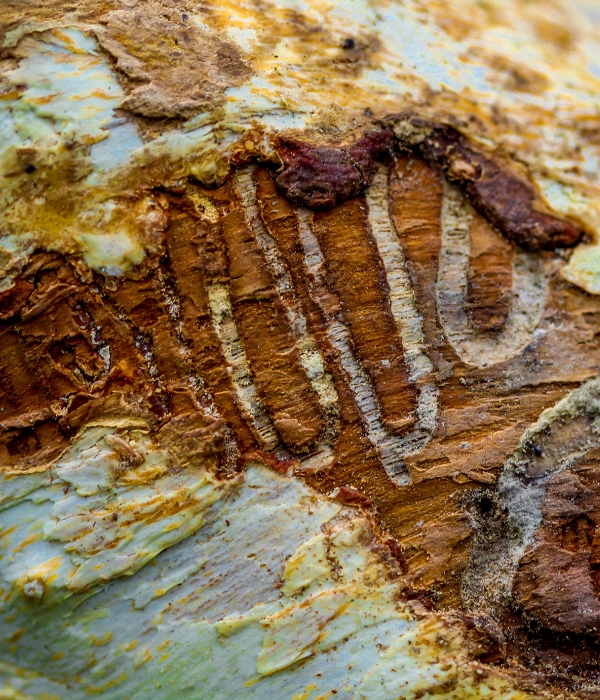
[[166, 357]]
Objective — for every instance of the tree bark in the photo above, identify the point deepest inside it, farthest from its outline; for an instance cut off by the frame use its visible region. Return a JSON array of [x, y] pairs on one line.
[[290, 407]]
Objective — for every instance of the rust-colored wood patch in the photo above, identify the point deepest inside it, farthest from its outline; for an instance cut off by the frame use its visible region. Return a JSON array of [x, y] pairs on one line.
[[489, 281]]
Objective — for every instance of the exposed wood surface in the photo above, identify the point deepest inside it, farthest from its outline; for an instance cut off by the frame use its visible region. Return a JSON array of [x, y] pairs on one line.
[[278, 329]]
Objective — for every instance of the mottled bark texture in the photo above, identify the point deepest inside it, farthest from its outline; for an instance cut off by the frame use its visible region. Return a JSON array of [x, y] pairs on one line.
[[287, 324]]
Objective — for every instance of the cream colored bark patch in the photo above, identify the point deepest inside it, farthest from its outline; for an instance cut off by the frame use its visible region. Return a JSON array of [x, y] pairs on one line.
[[427, 663], [252, 595], [583, 268]]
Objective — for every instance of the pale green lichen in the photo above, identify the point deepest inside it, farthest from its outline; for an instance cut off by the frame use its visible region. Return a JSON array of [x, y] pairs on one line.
[[104, 515], [230, 610]]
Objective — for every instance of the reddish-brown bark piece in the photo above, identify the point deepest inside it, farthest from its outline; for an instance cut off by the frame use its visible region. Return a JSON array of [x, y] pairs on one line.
[[268, 342], [352, 497], [281, 466], [355, 272], [322, 176], [489, 278], [507, 202]]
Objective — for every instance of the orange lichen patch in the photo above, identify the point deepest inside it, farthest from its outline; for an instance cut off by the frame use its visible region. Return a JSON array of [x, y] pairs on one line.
[[99, 689], [489, 278], [163, 645], [100, 641], [41, 100], [15, 636], [7, 531], [66, 39], [26, 541], [9, 95], [101, 94], [130, 646]]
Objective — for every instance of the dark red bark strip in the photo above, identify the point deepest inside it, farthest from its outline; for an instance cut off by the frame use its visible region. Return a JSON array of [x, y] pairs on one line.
[[507, 202], [322, 176]]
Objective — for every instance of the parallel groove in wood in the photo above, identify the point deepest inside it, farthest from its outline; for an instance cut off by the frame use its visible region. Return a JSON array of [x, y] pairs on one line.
[[257, 213], [281, 223], [267, 339], [253, 409], [391, 448], [354, 453], [402, 299], [416, 197], [355, 272], [185, 244]]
